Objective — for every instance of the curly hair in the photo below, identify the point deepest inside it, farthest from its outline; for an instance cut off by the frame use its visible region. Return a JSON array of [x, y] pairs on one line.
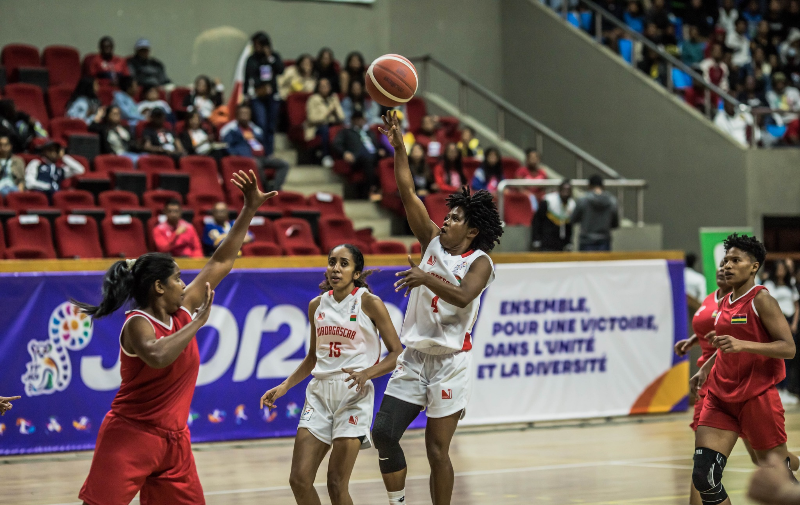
[[748, 244], [479, 212], [358, 264]]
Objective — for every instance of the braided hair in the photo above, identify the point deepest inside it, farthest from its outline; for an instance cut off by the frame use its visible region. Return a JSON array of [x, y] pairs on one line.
[[751, 245], [479, 212], [358, 262]]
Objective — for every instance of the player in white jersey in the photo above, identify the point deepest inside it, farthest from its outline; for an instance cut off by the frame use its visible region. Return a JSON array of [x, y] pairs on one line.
[[343, 356], [433, 371]]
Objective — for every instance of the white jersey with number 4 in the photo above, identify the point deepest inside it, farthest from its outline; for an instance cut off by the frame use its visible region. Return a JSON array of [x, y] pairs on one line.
[[346, 336], [432, 325]]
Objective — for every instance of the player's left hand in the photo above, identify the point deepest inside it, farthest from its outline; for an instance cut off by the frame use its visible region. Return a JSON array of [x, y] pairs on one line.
[[5, 403], [411, 278], [248, 184], [727, 344], [770, 482], [359, 378]]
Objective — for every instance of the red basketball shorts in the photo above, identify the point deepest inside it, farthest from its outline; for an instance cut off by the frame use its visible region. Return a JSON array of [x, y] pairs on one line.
[[698, 406], [132, 457], [759, 420]]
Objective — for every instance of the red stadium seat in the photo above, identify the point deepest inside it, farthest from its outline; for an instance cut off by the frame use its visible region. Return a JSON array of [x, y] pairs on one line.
[[263, 229], [15, 56], [176, 98], [286, 201], [25, 253], [57, 98], [157, 198], [336, 230], [391, 196], [296, 111], [105, 163], [204, 176], [86, 63], [327, 204], [416, 248], [123, 237], [231, 165], [517, 209], [416, 111], [2, 242], [470, 165], [29, 98], [510, 166], [202, 203], [291, 232], [63, 64], [106, 92], [77, 237], [436, 205], [389, 247], [30, 232], [261, 249], [301, 250], [62, 127], [116, 199], [153, 164], [73, 199], [23, 200]]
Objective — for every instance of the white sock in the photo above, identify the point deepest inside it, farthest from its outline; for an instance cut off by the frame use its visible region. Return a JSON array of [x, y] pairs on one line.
[[397, 497]]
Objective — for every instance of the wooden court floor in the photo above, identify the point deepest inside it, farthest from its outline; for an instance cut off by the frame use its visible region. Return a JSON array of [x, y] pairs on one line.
[[643, 460]]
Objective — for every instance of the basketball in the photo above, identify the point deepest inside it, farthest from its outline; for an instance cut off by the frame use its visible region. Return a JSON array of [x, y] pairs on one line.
[[391, 80]]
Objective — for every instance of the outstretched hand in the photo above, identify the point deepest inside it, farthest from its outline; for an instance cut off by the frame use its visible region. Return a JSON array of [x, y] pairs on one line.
[[248, 184], [394, 129], [5, 403], [411, 278]]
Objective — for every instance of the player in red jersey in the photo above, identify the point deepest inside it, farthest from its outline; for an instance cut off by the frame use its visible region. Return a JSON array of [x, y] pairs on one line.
[[143, 443], [752, 340]]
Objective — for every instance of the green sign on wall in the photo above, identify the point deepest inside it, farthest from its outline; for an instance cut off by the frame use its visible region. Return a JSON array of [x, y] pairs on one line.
[[712, 251]]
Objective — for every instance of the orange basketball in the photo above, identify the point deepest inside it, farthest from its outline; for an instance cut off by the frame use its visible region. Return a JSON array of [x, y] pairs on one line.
[[391, 80]]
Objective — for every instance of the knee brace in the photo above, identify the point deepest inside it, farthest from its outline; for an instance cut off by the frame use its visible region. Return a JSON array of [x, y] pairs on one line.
[[707, 475], [386, 437]]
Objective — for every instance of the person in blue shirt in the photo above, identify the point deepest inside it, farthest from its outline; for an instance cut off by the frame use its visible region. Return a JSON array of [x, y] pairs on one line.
[[215, 231], [123, 98]]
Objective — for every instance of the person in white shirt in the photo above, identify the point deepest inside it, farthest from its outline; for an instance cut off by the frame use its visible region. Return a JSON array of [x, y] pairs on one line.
[[739, 43], [714, 69], [739, 124], [781, 286], [694, 282], [728, 15], [783, 97]]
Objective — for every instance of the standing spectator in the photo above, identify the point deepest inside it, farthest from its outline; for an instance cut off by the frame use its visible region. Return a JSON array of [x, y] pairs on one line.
[[596, 213], [146, 70], [261, 73], [490, 173], [727, 16], [354, 70], [194, 138], [449, 173], [786, 99], [12, 168], [776, 21], [325, 68], [738, 42], [216, 231], [763, 40], [323, 110], [532, 171], [694, 284], [714, 69], [84, 104], [551, 229], [781, 286], [360, 147], [659, 15], [48, 173], [244, 138], [752, 14], [114, 137], [298, 78], [124, 99], [158, 139], [633, 16], [357, 100], [739, 124], [753, 94], [424, 183], [106, 65], [176, 236], [205, 97], [151, 99], [693, 47], [759, 68], [19, 126], [469, 145]]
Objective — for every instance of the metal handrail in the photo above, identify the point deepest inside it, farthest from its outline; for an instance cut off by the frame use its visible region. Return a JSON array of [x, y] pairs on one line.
[[601, 13], [638, 184], [507, 108]]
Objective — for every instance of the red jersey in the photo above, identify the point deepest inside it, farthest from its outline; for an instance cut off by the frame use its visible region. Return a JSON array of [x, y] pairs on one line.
[[703, 324], [160, 397], [737, 377]]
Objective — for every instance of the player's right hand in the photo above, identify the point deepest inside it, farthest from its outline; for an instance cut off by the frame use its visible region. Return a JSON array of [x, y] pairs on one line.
[[682, 346], [268, 400], [710, 336], [205, 310], [5, 403], [394, 130], [697, 381]]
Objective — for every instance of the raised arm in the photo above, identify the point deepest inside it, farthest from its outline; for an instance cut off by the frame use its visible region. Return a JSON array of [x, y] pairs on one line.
[[421, 225], [221, 262]]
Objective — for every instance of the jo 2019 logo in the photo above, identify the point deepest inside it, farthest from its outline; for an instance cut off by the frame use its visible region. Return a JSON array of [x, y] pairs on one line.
[[50, 368]]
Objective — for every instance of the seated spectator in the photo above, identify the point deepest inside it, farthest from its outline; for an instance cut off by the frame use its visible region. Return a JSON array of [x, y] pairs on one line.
[[261, 72], [633, 16], [778, 28], [752, 14], [48, 173], [700, 15], [792, 15], [653, 65], [115, 138], [244, 138], [84, 104], [490, 173], [759, 68], [354, 70], [790, 57], [145, 70], [323, 110], [361, 148], [12, 168], [196, 139], [124, 99], [298, 78], [670, 41], [693, 47], [20, 127], [763, 39], [429, 134], [421, 171], [358, 100], [532, 171], [158, 139], [206, 96], [738, 42], [106, 65], [652, 33], [728, 16], [551, 229], [738, 124], [151, 99], [469, 145], [324, 68], [216, 231], [176, 236], [715, 70], [449, 173], [787, 99], [659, 15], [596, 213], [753, 94]]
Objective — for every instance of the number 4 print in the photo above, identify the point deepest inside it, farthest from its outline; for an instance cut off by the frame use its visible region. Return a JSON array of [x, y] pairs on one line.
[[434, 304], [335, 351]]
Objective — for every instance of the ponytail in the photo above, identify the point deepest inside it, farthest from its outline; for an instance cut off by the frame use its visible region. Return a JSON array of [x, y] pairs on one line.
[[358, 261], [117, 286]]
